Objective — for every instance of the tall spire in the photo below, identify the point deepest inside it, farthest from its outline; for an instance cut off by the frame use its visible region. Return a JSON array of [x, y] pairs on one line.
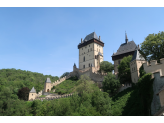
[[126, 38]]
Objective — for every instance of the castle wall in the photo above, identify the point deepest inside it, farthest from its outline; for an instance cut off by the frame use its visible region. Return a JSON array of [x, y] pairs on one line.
[[32, 96], [154, 67], [116, 65], [89, 55], [161, 96], [157, 85], [47, 86]]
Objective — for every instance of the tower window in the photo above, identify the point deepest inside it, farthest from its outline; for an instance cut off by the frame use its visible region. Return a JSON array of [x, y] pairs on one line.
[[84, 58], [83, 66]]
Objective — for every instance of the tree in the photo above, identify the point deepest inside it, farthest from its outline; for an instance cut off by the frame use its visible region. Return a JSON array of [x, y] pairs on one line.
[[142, 71], [153, 47], [124, 73], [110, 84], [64, 74], [106, 66], [24, 93]]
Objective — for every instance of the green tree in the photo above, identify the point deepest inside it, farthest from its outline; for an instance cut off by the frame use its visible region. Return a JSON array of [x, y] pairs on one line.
[[124, 73], [106, 66], [153, 47], [142, 71], [64, 74], [110, 84], [23, 93]]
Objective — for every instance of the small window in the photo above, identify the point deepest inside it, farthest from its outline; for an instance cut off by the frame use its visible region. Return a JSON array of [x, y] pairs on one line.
[[82, 48], [85, 47], [88, 50], [95, 57], [83, 66], [91, 49], [84, 58], [32, 94], [89, 45], [84, 52], [89, 65]]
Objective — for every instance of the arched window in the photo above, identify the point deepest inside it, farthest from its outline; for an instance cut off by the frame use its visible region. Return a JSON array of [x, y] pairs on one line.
[[84, 58]]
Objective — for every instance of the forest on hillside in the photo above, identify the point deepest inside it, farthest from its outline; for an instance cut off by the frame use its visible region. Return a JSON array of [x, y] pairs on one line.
[[90, 101]]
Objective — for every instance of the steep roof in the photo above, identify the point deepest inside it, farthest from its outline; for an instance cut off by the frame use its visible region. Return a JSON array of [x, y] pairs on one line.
[[33, 90], [48, 80], [137, 56], [91, 36], [125, 48]]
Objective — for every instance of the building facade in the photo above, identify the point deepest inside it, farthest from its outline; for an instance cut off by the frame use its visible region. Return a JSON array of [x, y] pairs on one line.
[[90, 51], [125, 49]]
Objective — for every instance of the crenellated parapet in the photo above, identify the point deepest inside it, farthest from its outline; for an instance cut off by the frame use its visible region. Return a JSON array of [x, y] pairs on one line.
[[60, 80], [54, 97], [154, 67], [124, 86]]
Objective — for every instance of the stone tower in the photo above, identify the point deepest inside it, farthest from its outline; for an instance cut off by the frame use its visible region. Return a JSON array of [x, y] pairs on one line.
[[32, 94], [47, 85], [125, 49], [89, 49], [135, 65]]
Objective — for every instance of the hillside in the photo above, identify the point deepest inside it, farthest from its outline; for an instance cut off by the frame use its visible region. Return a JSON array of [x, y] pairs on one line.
[[17, 79]]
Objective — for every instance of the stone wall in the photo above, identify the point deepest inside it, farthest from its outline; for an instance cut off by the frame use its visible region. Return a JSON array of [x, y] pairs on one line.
[[157, 85], [54, 97], [124, 86]]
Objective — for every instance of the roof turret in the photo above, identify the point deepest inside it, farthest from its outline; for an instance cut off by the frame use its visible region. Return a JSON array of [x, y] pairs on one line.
[[91, 36], [48, 80], [137, 56], [33, 90]]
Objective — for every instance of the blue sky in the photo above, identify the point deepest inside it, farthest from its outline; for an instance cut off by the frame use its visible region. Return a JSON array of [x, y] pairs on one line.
[[45, 40]]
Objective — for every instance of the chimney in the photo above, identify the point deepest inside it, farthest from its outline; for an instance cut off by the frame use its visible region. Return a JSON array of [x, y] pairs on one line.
[[99, 37], [81, 40], [126, 38], [138, 46]]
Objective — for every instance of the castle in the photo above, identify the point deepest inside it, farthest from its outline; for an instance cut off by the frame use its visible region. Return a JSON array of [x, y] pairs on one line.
[[91, 55]]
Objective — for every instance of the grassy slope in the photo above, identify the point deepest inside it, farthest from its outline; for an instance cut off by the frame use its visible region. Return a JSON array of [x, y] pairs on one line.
[[67, 86]]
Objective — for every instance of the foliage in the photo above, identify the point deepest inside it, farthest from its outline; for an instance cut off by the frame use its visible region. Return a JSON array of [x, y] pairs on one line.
[[135, 101], [142, 71], [153, 47], [64, 74], [43, 96], [124, 73], [67, 86], [110, 84], [23, 93], [106, 66]]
